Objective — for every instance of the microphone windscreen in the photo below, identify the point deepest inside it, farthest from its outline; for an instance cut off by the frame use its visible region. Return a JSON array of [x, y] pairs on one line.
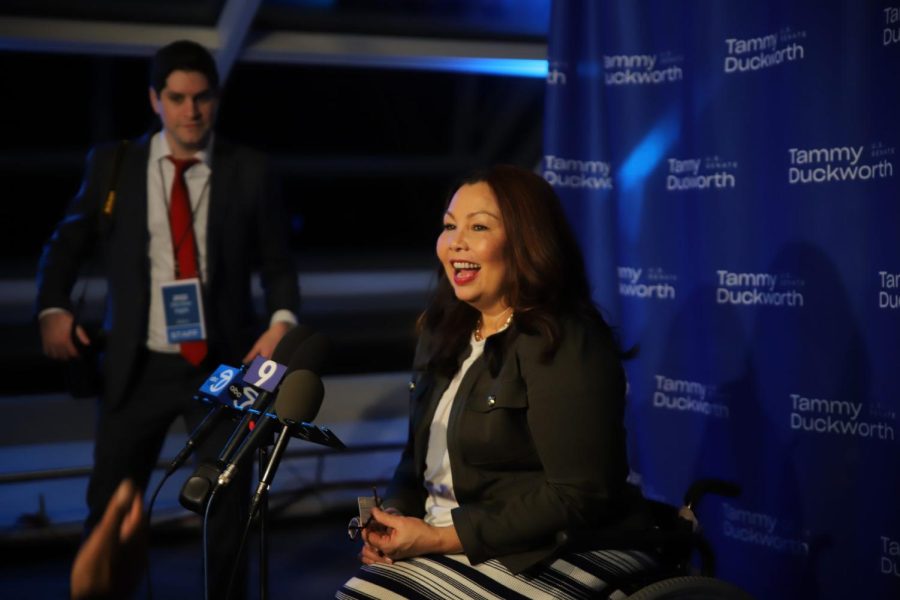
[[310, 354], [289, 343], [300, 397]]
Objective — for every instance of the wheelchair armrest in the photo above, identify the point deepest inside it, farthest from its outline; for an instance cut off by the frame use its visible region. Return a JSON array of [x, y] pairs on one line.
[[702, 487], [674, 537], [671, 537]]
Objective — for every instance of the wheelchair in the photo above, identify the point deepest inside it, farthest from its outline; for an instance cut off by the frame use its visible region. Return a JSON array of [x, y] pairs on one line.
[[676, 539]]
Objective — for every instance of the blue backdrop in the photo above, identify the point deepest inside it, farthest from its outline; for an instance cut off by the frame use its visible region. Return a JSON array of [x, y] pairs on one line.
[[731, 169]]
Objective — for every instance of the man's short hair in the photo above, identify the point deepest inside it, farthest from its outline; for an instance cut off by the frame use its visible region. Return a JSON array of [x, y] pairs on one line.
[[183, 55]]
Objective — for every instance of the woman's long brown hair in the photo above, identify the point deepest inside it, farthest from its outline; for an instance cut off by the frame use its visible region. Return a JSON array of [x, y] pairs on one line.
[[545, 275]]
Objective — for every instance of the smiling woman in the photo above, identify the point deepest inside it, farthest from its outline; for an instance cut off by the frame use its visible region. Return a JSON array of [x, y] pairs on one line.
[[471, 249], [517, 407]]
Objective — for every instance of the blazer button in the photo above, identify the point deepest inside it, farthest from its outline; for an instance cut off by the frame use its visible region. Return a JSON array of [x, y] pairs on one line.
[[492, 400]]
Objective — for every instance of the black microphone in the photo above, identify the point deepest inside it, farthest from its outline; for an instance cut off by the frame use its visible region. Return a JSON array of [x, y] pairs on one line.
[[298, 401], [310, 356], [289, 346], [282, 354], [197, 488], [219, 390]]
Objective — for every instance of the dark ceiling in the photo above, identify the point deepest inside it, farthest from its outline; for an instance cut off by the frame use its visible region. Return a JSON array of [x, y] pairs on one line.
[[369, 109]]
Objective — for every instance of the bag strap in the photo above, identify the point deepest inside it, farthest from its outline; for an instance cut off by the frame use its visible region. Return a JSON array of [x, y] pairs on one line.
[[106, 215], [104, 225]]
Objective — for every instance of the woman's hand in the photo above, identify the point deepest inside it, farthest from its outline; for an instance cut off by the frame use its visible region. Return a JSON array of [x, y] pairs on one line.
[[370, 556], [405, 537]]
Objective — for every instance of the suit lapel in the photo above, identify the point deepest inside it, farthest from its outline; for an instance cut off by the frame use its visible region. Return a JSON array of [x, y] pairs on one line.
[[129, 271], [219, 201], [132, 192], [462, 395], [495, 348]]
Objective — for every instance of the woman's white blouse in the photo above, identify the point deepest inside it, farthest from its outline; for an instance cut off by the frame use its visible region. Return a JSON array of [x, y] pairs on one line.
[[438, 478]]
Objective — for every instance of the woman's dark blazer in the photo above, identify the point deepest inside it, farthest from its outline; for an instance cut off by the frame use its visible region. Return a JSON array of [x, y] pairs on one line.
[[535, 447]]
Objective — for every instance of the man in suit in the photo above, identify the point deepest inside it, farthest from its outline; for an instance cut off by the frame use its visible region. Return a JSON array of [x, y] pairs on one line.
[[187, 206]]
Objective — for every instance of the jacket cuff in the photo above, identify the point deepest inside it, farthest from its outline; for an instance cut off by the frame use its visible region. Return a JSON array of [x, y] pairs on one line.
[[466, 529]]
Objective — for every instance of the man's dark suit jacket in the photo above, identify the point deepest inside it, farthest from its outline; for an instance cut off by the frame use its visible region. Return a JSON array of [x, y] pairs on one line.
[[535, 447], [246, 229]]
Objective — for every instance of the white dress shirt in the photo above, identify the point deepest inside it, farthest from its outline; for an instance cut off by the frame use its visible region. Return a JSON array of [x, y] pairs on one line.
[[438, 477], [160, 172]]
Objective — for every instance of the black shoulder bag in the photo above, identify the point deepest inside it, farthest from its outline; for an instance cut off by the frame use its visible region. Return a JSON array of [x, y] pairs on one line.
[[83, 378]]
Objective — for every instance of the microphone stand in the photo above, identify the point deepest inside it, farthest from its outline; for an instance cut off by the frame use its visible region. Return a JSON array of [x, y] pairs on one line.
[[260, 505], [263, 529]]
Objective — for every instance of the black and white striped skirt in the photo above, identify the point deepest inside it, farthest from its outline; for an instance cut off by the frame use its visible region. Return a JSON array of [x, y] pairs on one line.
[[440, 577]]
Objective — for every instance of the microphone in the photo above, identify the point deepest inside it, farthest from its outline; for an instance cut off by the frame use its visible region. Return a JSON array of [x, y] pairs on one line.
[[217, 387], [310, 356], [286, 353], [298, 402], [289, 343], [197, 488]]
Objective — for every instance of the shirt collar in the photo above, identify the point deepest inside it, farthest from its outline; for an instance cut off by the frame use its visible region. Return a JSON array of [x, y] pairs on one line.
[[159, 149]]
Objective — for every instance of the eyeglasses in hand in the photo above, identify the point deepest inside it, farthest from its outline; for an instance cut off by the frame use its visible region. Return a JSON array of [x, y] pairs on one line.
[[354, 528]]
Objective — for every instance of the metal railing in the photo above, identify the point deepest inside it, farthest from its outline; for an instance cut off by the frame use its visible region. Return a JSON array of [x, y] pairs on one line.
[[319, 453]]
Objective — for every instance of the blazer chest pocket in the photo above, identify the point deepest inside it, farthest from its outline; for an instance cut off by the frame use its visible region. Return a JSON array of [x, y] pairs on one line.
[[494, 430]]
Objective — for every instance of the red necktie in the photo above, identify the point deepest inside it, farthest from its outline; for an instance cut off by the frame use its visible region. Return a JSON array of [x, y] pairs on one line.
[[183, 245]]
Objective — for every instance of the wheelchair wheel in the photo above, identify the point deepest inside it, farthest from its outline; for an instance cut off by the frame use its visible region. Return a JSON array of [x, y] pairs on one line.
[[690, 588]]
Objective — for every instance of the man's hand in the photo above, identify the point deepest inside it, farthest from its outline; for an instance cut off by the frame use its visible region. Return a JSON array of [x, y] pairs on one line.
[[56, 338], [405, 537], [266, 343], [112, 558]]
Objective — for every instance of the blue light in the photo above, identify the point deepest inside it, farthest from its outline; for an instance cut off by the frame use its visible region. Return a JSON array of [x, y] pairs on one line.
[[305, 3], [511, 67], [647, 154], [640, 163], [514, 67]]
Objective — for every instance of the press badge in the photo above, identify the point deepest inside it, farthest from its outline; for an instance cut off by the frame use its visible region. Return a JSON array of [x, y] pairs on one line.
[[184, 311]]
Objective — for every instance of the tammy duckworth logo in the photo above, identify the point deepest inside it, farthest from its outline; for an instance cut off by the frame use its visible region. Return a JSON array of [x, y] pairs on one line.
[[890, 555], [741, 288], [815, 415], [643, 69], [688, 396], [832, 164], [576, 173], [647, 283], [771, 49], [888, 290], [758, 528], [891, 33], [700, 173], [557, 73]]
